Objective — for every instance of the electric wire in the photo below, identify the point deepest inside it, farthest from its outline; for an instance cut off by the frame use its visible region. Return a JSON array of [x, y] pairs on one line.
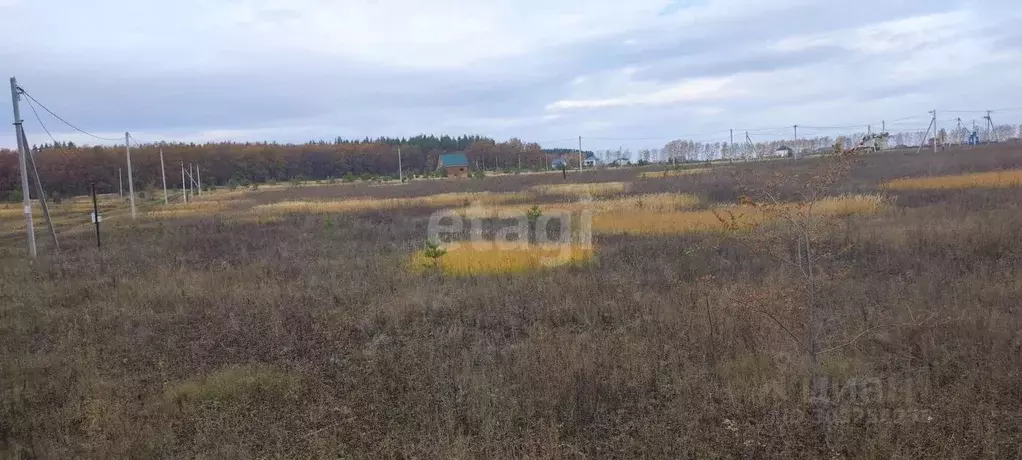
[[47, 109]]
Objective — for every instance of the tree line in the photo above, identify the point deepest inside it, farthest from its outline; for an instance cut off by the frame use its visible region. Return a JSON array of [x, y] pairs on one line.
[[67, 169]]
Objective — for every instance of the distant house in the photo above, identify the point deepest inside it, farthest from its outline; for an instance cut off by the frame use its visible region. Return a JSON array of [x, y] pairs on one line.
[[591, 161], [455, 164], [559, 162], [784, 151], [621, 162]]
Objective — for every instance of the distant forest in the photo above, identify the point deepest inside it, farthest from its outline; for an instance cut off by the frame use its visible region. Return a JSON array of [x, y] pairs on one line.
[[67, 169]]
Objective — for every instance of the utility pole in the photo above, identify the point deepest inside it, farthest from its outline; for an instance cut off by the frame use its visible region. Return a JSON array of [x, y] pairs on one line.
[[131, 184], [400, 172], [752, 147], [120, 184], [869, 130], [990, 128], [22, 152], [934, 130], [184, 186], [95, 215], [39, 189], [927, 133], [883, 126], [163, 172], [198, 179], [580, 153], [794, 154], [731, 148]]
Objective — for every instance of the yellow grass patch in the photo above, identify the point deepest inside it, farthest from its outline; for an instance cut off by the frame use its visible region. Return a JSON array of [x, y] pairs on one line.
[[493, 258], [651, 202], [192, 209], [849, 204], [672, 173], [653, 222], [742, 217], [371, 204], [590, 189], [992, 179]]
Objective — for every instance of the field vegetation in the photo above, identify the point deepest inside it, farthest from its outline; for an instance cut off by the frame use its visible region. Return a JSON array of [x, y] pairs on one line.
[[883, 324], [990, 179]]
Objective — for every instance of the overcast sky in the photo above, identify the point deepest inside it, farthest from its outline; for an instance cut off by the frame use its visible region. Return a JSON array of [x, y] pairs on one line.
[[634, 73]]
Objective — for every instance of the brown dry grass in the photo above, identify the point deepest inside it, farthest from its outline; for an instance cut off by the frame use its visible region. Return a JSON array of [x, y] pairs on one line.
[[672, 173], [991, 179], [377, 204], [744, 217], [489, 258], [655, 202], [308, 337], [584, 189]]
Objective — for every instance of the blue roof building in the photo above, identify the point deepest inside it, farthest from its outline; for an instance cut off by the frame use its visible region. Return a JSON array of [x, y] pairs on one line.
[[454, 164], [453, 159]]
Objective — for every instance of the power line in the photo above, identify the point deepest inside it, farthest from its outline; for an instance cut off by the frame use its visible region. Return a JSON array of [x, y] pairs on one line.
[[40, 120], [43, 125], [26, 93]]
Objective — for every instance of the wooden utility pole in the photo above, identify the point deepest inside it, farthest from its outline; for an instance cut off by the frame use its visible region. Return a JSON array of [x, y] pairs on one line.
[[131, 183], [934, 130], [95, 215], [120, 184], [198, 179], [163, 172], [22, 152]]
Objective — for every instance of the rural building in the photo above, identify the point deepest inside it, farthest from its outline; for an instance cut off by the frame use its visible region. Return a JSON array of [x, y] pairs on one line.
[[559, 162], [591, 161], [784, 151], [455, 164]]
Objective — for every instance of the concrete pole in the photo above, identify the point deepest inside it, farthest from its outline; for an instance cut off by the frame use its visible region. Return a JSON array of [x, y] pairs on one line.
[[22, 154], [131, 183], [580, 153], [184, 185], [163, 172]]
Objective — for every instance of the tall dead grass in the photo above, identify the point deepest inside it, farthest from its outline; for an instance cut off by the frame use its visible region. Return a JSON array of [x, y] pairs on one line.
[[654, 202], [586, 189], [742, 217], [485, 258], [991, 179], [673, 173], [378, 204]]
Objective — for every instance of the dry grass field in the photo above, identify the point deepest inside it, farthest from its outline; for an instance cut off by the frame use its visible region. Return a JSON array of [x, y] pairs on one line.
[[308, 322]]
